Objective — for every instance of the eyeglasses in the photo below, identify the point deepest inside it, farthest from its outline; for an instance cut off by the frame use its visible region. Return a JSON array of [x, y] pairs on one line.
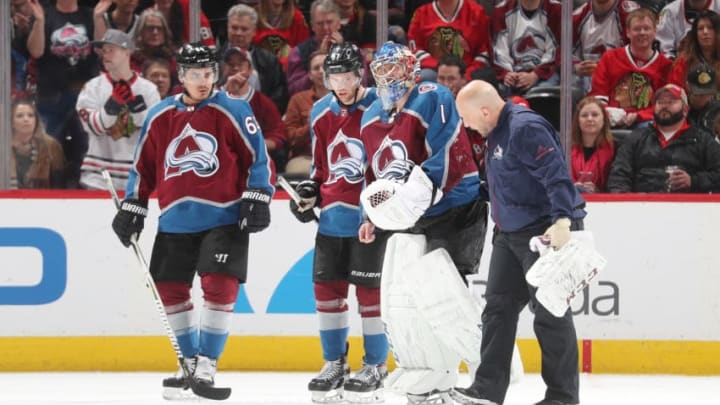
[[153, 28]]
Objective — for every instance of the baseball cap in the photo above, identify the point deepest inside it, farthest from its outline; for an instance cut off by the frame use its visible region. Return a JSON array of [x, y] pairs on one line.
[[116, 37], [674, 90], [701, 80], [236, 51]]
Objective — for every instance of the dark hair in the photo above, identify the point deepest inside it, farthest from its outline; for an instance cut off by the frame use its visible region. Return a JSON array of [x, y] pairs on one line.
[[452, 60], [155, 61], [689, 45]]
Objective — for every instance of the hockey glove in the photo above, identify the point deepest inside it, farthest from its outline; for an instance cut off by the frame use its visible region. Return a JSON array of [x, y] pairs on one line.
[[309, 191], [254, 210], [558, 234], [137, 104], [122, 92], [129, 220], [112, 107]]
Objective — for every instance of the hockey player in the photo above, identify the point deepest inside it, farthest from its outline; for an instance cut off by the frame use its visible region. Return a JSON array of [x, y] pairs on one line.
[[335, 184], [413, 132], [204, 154], [112, 108]]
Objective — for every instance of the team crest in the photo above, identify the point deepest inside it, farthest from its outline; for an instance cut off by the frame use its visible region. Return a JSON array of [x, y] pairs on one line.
[[528, 50], [391, 160], [497, 153], [426, 87], [446, 41], [345, 156], [634, 91], [191, 151]]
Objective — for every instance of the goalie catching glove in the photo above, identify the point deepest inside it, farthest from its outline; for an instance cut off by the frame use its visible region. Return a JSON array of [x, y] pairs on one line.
[[397, 206], [254, 210], [129, 220], [309, 192]]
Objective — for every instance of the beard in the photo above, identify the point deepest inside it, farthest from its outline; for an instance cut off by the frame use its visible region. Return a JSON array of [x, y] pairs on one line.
[[668, 120]]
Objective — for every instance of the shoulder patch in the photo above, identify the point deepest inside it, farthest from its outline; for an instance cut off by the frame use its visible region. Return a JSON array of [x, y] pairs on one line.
[[425, 87], [629, 6]]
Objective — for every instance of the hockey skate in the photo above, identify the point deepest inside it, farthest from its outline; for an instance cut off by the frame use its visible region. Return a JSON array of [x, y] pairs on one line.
[[327, 387], [177, 386], [434, 397], [469, 396], [205, 371], [366, 386]]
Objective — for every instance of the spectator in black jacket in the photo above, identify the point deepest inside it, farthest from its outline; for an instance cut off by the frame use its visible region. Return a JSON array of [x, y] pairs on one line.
[[702, 87], [669, 156], [268, 76]]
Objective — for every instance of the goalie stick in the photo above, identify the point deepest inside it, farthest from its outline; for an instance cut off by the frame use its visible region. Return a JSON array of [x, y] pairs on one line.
[[282, 182], [201, 390]]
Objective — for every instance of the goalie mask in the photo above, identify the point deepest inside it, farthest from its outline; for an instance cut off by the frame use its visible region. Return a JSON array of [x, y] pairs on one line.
[[396, 70], [192, 61], [343, 71]]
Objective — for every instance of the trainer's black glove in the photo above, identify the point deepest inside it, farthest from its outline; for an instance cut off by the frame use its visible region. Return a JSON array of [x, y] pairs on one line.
[[129, 220], [254, 210], [309, 191]]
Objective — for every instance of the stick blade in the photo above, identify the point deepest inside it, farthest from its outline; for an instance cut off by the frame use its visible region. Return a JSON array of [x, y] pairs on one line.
[[210, 392]]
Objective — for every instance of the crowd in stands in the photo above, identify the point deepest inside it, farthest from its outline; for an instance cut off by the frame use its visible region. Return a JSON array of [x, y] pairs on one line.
[[633, 61]]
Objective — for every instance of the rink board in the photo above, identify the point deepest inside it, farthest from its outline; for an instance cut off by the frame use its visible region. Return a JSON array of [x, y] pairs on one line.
[[73, 298]]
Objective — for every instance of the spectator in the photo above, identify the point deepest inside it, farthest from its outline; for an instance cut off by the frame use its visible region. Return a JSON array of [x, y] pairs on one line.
[[670, 156], [526, 44], [37, 159], [700, 45], [450, 27], [280, 27], [236, 71], [626, 78], [297, 117], [598, 25], [451, 73], [325, 24], [158, 72], [22, 17], [593, 149], [177, 15], [268, 76], [112, 108], [152, 41], [122, 18], [356, 25], [701, 81], [675, 21], [60, 41]]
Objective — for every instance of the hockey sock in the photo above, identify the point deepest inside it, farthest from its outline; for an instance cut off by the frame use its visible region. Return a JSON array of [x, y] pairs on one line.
[[179, 309], [375, 340], [332, 309], [220, 292]]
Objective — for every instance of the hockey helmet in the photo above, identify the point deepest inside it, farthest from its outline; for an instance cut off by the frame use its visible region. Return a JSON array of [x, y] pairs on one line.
[[343, 58], [196, 55], [396, 70]]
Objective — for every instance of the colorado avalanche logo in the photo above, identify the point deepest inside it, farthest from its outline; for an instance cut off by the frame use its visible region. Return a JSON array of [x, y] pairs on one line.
[[191, 151], [70, 41], [391, 160], [528, 49], [345, 156]]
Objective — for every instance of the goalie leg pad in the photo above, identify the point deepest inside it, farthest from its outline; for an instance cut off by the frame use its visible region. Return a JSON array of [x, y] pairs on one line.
[[445, 303], [434, 367]]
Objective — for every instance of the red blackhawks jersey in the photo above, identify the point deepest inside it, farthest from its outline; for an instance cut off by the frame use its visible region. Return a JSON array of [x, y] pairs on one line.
[[338, 162], [465, 34], [593, 35], [281, 40], [200, 159], [622, 81], [525, 43]]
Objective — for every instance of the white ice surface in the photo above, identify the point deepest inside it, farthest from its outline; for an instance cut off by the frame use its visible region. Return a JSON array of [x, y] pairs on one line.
[[290, 388]]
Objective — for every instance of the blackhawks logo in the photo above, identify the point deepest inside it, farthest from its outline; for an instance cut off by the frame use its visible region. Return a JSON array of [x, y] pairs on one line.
[[635, 91], [446, 41]]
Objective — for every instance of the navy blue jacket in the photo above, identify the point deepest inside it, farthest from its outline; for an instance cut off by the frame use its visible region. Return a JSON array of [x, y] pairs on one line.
[[527, 173]]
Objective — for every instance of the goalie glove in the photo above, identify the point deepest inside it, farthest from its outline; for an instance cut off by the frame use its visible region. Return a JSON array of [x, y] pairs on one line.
[[309, 192], [129, 220], [395, 206], [254, 210]]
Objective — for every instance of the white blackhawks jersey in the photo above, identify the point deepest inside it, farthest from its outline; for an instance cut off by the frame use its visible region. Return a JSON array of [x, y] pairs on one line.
[[593, 36], [673, 25], [111, 138]]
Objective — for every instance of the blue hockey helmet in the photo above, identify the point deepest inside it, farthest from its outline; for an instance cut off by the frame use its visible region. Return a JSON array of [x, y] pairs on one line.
[[396, 70]]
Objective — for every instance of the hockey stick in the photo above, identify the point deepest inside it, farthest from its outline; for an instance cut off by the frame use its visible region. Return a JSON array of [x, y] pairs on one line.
[[293, 194], [201, 390]]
